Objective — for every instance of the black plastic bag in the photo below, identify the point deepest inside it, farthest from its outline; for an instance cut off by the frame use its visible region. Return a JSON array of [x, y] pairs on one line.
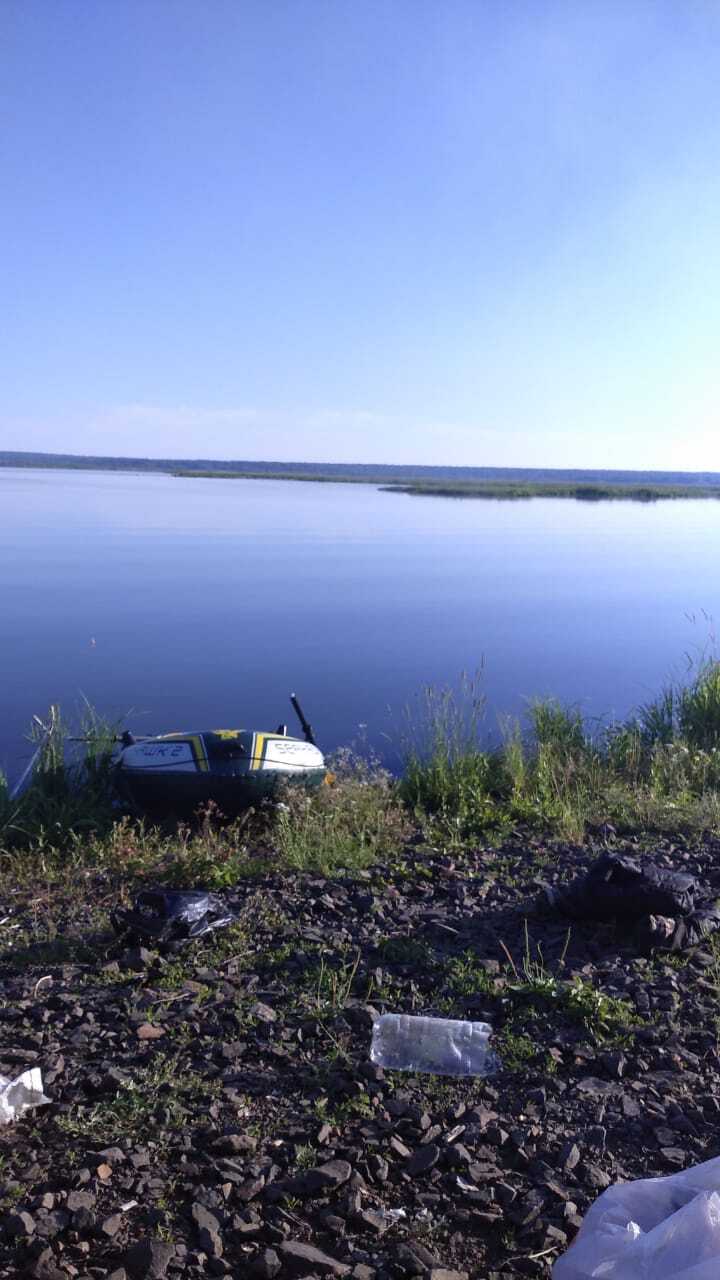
[[664, 933], [171, 916], [620, 887], [665, 908]]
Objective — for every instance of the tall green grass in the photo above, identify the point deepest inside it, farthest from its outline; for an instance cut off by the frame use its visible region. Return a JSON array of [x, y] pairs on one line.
[[447, 773], [659, 770], [551, 771], [70, 791]]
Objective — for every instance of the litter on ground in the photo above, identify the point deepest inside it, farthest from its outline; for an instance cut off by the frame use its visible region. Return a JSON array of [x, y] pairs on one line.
[[19, 1095]]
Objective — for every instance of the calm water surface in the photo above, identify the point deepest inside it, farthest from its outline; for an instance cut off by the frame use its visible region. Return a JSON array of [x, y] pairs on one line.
[[201, 603]]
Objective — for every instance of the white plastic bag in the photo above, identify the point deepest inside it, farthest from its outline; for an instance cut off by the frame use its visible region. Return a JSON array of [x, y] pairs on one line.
[[654, 1229], [19, 1095]]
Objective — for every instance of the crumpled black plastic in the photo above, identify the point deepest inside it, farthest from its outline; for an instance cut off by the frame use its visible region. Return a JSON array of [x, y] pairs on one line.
[[666, 907], [665, 933], [171, 916]]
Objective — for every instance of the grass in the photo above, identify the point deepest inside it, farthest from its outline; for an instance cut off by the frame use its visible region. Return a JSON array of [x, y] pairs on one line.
[[657, 772], [537, 996], [160, 1096]]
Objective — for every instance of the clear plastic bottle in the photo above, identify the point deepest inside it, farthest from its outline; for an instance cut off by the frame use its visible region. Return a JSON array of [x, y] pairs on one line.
[[442, 1046]]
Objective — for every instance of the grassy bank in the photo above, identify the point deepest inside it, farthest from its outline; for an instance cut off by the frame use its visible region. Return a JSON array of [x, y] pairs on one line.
[[221, 1101], [552, 773]]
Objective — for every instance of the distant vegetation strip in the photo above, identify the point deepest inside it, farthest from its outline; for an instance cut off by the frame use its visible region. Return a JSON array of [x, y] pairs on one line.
[[393, 474], [484, 489], [583, 492], [316, 478]]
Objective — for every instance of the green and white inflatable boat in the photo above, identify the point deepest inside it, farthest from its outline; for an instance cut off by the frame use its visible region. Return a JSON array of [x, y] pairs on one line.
[[234, 768]]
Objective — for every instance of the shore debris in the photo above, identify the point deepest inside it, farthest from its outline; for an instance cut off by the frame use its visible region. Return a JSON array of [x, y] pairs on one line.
[[667, 1228], [171, 916], [669, 909], [19, 1095], [440, 1046]]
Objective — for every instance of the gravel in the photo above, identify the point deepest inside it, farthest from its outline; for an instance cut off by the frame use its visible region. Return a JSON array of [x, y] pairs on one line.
[[216, 1113]]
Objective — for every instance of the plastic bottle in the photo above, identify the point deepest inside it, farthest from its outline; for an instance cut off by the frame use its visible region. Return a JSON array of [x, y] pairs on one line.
[[442, 1046]]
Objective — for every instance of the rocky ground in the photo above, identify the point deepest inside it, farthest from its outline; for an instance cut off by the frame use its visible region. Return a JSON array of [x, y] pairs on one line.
[[217, 1113]]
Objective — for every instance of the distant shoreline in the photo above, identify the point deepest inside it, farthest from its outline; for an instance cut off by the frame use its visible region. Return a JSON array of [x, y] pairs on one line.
[[497, 490], [498, 483]]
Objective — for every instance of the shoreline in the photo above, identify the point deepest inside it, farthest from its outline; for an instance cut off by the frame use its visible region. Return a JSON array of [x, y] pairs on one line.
[[219, 1101], [488, 490]]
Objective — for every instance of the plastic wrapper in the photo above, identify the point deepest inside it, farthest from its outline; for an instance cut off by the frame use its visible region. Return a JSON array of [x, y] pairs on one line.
[[17, 1096], [172, 916], [654, 1229]]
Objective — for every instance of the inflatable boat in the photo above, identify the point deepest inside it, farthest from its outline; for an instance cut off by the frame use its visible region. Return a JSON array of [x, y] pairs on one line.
[[178, 773]]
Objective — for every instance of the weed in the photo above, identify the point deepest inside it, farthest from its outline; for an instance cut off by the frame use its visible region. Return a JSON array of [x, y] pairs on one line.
[[413, 952], [306, 1157], [349, 824], [161, 1094], [335, 984], [466, 976], [446, 773], [516, 1049], [536, 990]]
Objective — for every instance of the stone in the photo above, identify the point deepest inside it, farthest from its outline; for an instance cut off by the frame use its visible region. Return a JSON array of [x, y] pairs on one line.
[[148, 1260], [204, 1220], [595, 1177], [110, 1226], [263, 1012], [305, 1258], [331, 1174], [149, 1031], [265, 1265], [570, 1156], [80, 1200], [235, 1144], [373, 1220], [19, 1224], [408, 1261], [423, 1160]]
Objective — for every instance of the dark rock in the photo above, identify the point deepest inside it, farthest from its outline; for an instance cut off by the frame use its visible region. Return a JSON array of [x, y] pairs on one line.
[[594, 1176], [373, 1220], [80, 1200], [233, 1144], [265, 1265], [303, 1258], [570, 1156], [110, 1226], [204, 1220], [362, 1272], [148, 1260], [423, 1159], [332, 1174]]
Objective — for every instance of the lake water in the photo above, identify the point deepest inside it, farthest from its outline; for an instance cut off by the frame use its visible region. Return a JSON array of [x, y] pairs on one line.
[[179, 603]]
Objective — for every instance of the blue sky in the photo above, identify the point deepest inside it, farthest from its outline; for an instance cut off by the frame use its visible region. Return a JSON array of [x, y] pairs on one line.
[[432, 231]]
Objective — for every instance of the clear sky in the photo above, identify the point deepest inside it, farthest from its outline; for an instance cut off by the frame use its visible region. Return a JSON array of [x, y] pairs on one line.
[[473, 232]]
